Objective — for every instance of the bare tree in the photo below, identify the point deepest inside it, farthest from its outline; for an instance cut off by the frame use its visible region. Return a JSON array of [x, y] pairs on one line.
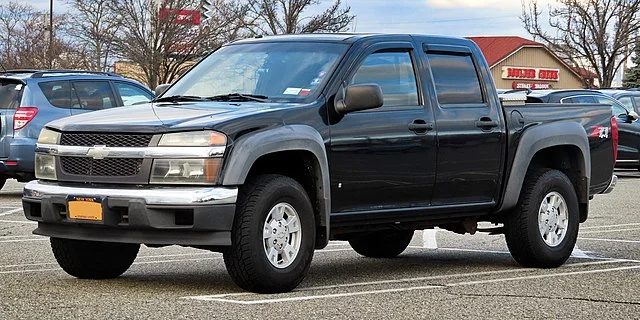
[[163, 37], [92, 29], [595, 34], [24, 39], [286, 16]]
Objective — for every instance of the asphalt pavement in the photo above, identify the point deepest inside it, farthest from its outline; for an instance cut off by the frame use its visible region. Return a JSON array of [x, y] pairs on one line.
[[440, 276]]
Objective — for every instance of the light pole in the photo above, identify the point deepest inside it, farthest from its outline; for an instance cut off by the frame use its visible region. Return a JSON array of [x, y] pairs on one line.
[[50, 34]]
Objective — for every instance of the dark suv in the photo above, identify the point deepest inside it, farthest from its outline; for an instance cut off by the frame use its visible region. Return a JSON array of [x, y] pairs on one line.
[[30, 98]]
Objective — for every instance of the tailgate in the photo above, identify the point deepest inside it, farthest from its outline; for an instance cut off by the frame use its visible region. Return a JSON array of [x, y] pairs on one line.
[[10, 96]]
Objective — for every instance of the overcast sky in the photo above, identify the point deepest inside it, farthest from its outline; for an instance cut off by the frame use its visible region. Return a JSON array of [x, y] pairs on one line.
[[444, 17]]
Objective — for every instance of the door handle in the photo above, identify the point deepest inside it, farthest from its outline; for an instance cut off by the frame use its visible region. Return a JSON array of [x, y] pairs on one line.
[[420, 126], [486, 123]]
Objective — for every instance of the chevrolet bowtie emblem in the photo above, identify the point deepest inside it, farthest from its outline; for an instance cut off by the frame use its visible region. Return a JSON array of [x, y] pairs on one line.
[[98, 152]]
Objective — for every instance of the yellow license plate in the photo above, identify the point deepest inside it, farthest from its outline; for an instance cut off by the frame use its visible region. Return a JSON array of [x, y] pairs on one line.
[[85, 208]]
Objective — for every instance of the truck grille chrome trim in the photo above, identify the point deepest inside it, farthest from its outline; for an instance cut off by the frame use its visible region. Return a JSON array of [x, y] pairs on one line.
[[152, 196], [132, 152]]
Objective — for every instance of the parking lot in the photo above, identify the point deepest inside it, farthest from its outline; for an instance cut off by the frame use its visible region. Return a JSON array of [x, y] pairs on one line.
[[441, 275]]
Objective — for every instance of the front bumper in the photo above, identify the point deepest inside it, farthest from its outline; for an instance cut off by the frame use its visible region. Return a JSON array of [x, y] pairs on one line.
[[151, 215]]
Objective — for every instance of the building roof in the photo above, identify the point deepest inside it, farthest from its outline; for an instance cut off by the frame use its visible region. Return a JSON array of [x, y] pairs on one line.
[[496, 49]]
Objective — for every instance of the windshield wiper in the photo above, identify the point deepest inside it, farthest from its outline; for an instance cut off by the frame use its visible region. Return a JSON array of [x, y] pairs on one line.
[[179, 98], [239, 97]]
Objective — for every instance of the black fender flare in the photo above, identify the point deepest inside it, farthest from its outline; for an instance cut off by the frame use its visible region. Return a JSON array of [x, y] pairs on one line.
[[561, 133], [249, 148]]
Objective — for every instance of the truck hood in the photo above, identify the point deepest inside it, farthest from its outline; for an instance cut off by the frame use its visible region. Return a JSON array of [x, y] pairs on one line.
[[161, 117]]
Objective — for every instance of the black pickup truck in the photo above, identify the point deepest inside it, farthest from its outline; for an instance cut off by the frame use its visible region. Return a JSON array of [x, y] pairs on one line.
[[270, 147]]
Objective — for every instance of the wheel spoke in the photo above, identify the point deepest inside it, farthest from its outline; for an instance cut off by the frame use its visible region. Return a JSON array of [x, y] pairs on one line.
[[288, 253], [277, 213], [553, 238], [266, 232], [273, 256], [562, 223], [293, 224]]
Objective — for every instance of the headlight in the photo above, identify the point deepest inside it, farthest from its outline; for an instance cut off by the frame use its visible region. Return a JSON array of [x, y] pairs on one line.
[[193, 139], [48, 137], [185, 171], [45, 167]]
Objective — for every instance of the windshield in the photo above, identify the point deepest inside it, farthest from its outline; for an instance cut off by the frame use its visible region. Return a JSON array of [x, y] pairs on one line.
[[10, 94], [279, 71]]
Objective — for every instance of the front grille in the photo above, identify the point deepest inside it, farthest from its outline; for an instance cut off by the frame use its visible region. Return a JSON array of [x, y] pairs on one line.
[[110, 167], [105, 139]]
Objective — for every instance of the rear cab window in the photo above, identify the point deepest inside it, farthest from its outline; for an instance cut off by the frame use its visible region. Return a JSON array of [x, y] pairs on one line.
[[10, 94]]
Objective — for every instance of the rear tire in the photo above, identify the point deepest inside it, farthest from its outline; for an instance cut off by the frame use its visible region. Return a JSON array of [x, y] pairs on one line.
[[3, 180], [92, 259], [382, 244], [273, 235], [543, 230]]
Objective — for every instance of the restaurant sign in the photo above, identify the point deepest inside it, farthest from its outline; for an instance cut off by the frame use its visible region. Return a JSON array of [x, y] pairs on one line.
[[526, 73], [530, 85]]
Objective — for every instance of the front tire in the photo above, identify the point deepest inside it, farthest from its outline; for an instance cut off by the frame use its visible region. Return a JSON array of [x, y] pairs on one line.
[[92, 259], [273, 235], [543, 230], [382, 244]]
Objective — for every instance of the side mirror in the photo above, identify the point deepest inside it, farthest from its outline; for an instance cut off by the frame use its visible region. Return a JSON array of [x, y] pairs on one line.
[[160, 89], [359, 97], [632, 116]]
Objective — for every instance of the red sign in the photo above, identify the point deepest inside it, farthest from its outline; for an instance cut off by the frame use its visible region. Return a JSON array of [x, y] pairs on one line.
[[525, 73], [530, 85], [191, 17]]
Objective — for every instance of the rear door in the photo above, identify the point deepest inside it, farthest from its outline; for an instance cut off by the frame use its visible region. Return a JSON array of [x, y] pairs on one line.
[[91, 96], [10, 95], [470, 131]]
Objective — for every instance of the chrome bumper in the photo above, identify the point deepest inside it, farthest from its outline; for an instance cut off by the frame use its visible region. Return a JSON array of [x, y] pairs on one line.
[[151, 196], [612, 184]]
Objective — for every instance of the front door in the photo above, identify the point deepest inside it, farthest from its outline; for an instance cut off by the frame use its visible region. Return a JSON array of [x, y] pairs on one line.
[[384, 158]]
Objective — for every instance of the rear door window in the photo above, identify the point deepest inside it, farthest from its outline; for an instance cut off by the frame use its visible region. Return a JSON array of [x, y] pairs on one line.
[[456, 79], [93, 95], [131, 94], [58, 93], [10, 95]]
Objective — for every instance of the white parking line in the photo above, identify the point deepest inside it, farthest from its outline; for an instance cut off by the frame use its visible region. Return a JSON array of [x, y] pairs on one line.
[[610, 240], [221, 297], [11, 237], [11, 212], [611, 226], [12, 221], [609, 231], [324, 296], [225, 298]]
